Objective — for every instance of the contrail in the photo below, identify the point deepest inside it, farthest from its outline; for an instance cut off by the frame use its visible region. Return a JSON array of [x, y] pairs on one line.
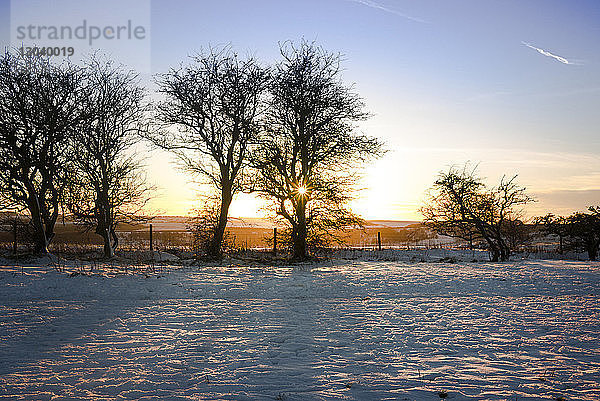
[[548, 54], [372, 4]]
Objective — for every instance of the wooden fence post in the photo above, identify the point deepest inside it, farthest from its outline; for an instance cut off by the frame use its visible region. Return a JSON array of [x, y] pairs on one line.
[[379, 240], [274, 240], [151, 247], [15, 237]]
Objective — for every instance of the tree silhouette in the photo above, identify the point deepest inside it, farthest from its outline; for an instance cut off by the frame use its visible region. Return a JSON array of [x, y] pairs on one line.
[[584, 230], [106, 183], [307, 157], [40, 108], [203, 225], [210, 116], [555, 225], [459, 205]]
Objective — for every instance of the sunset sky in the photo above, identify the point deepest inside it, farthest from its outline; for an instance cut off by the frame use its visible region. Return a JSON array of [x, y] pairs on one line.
[[513, 85]]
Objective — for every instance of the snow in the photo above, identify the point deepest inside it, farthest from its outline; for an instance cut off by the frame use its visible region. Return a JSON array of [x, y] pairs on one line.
[[354, 330]]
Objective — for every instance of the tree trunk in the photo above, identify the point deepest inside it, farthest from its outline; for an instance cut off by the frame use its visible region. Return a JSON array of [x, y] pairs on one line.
[[495, 255], [592, 252], [504, 254], [41, 244], [109, 251], [560, 244], [115, 242], [300, 232], [103, 230], [504, 249], [216, 243], [493, 248], [40, 239]]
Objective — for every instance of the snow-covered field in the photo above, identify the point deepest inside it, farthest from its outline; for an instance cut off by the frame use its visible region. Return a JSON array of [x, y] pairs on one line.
[[356, 330]]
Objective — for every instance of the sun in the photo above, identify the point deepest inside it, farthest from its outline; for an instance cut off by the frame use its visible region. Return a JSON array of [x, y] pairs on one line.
[[301, 190]]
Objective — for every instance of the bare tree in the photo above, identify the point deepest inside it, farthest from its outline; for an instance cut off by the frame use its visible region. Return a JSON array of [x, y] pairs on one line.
[[307, 158], [584, 230], [459, 205], [517, 233], [557, 226], [106, 182], [40, 107], [203, 225], [210, 117]]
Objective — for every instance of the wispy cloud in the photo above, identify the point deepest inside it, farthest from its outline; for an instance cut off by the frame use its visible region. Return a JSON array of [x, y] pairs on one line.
[[551, 55], [379, 6]]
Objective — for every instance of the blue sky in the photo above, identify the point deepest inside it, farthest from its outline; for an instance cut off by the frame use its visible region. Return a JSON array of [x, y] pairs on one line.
[[513, 85]]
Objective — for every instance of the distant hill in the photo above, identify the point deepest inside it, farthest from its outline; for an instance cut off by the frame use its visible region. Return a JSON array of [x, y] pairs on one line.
[[390, 223], [178, 223]]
